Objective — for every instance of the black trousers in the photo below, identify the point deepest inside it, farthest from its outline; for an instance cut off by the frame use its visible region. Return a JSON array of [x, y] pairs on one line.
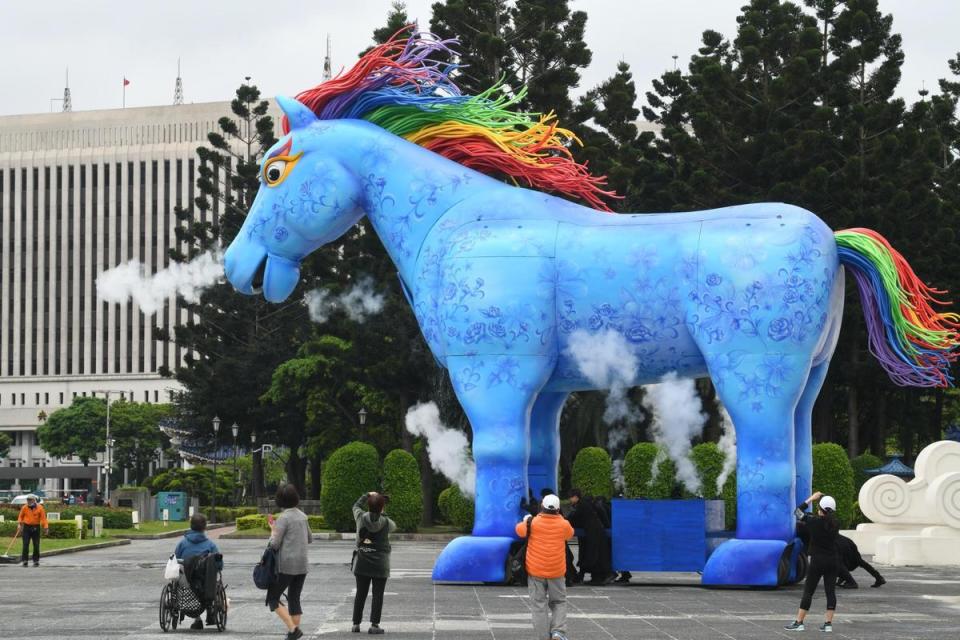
[[363, 585], [825, 568], [293, 585], [31, 532], [845, 576]]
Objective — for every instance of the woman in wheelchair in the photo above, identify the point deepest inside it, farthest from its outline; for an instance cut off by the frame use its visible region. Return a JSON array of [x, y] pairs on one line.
[[195, 544]]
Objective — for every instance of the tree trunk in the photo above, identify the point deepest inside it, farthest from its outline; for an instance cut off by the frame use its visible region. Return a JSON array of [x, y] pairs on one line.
[[879, 436], [853, 422], [936, 416], [315, 478], [259, 490], [295, 472], [406, 438], [426, 488], [906, 426]]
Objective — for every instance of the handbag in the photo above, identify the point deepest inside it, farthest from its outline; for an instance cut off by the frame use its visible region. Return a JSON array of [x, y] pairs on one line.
[[517, 566], [265, 573], [172, 570]]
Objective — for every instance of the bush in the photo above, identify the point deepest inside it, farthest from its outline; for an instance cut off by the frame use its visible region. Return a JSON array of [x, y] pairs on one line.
[[67, 529], [349, 471], [245, 523], [638, 473], [443, 505], [592, 472], [833, 475], [708, 461], [860, 465], [227, 514], [457, 508], [113, 517], [401, 481], [729, 495], [316, 523]]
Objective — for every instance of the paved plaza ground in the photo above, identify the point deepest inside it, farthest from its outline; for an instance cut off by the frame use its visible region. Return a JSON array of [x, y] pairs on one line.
[[114, 594]]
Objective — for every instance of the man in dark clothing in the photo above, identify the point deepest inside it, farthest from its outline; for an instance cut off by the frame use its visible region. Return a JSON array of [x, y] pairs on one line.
[[850, 560], [594, 547]]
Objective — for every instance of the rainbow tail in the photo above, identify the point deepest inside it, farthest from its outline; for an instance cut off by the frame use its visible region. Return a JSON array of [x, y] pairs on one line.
[[913, 342]]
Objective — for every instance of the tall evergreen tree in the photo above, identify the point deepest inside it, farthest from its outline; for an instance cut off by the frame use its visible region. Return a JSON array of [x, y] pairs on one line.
[[481, 27], [232, 342]]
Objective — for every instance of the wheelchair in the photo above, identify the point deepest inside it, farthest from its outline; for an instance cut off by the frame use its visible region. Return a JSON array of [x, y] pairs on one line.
[[179, 601]]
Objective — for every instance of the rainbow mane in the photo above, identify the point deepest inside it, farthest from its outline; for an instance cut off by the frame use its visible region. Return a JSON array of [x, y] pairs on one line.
[[400, 87], [914, 342]]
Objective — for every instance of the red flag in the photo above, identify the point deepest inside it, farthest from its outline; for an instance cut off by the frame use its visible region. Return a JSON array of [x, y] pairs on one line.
[[125, 82]]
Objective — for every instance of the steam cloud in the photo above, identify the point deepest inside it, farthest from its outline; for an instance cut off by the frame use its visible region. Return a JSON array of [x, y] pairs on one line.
[[677, 420], [129, 281], [606, 360], [360, 301], [728, 447], [447, 448]]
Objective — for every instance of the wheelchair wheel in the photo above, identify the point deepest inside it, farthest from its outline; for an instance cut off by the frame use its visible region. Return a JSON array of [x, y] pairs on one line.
[[220, 606], [168, 608]]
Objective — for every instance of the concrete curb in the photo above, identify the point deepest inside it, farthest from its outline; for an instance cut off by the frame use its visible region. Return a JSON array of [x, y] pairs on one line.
[[176, 533], [333, 535], [100, 545]]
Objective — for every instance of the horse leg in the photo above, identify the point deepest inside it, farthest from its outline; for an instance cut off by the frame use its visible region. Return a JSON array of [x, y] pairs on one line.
[[803, 431], [497, 393], [545, 442], [761, 393]]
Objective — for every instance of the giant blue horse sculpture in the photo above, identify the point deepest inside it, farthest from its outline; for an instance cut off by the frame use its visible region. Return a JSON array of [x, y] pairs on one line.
[[501, 278]]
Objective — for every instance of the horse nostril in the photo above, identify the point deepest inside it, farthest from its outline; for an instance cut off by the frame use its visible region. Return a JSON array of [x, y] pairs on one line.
[[257, 284]]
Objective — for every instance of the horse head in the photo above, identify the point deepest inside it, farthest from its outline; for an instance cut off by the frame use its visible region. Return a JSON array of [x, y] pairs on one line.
[[306, 199]]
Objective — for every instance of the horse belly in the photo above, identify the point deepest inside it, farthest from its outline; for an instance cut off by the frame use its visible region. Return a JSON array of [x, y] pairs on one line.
[[622, 297]]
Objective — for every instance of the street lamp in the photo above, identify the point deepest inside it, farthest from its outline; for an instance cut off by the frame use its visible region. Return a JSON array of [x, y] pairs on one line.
[[253, 484], [108, 440], [216, 443], [235, 429], [362, 414]]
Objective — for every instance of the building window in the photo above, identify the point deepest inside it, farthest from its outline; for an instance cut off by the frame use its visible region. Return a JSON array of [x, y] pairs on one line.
[[13, 399], [74, 394], [23, 399], [38, 400], [156, 396], [146, 396], [46, 398], [61, 397]]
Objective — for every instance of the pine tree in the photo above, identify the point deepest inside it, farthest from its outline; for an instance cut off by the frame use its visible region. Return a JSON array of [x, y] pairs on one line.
[[233, 342], [480, 26]]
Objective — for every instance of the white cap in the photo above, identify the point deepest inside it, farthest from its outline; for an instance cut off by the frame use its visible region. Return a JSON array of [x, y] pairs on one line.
[[550, 503], [32, 496], [827, 502]]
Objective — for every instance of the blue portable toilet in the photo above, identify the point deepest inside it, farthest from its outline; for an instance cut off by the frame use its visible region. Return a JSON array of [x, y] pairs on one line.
[[175, 502]]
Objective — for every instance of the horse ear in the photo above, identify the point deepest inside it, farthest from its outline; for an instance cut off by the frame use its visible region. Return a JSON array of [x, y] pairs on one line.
[[298, 115]]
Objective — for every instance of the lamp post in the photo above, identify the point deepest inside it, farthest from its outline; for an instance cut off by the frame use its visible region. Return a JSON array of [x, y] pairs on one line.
[[108, 440], [253, 476], [362, 414], [216, 443], [235, 429]]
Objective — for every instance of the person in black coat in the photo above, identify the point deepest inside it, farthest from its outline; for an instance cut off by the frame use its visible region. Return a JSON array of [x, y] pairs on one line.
[[851, 560], [822, 531], [594, 556]]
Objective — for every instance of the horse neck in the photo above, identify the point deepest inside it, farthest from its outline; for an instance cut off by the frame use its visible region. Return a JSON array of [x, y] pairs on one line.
[[406, 190]]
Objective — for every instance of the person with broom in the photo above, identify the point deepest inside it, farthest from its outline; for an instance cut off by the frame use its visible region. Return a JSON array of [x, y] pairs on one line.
[[32, 517]]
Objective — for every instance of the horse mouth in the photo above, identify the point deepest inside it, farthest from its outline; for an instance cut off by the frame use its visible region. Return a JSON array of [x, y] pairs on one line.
[[257, 284]]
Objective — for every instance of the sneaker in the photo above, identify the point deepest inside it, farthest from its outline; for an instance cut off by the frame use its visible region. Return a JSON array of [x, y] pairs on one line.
[[557, 635], [375, 630], [826, 627], [879, 583], [849, 584], [24, 565], [295, 634], [36, 564], [355, 629], [197, 625], [794, 626]]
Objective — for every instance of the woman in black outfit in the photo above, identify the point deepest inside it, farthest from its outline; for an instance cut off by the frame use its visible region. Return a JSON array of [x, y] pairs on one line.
[[371, 564], [822, 531]]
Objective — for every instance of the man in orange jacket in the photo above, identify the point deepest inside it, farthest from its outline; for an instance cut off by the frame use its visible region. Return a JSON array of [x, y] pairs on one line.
[[546, 564], [32, 517]]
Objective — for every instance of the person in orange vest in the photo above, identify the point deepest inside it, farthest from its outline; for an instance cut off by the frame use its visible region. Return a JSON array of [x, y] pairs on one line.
[[546, 564], [32, 517]]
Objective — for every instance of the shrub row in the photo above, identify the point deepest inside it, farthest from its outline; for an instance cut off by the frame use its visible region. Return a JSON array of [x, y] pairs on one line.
[[227, 514], [58, 529], [113, 518], [259, 521]]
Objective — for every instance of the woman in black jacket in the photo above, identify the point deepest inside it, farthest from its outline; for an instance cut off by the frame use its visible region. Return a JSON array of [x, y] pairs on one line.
[[371, 563], [822, 531]]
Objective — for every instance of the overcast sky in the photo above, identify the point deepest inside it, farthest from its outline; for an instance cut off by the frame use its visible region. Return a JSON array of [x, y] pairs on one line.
[[281, 43]]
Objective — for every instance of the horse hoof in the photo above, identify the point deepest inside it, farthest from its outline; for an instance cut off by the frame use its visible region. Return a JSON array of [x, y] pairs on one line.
[[474, 559]]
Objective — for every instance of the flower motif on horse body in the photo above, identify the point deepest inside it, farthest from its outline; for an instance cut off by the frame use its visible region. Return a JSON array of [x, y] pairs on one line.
[[280, 234], [780, 329], [506, 371], [714, 279]]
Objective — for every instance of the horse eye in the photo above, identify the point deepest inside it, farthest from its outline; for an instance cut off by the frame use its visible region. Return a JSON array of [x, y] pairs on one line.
[[275, 171]]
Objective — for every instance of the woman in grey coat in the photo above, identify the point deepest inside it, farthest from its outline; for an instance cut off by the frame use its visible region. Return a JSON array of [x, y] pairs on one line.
[[371, 559], [289, 538]]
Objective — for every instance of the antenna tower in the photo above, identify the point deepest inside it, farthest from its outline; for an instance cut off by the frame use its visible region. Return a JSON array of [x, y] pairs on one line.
[[178, 88], [327, 66], [67, 102]]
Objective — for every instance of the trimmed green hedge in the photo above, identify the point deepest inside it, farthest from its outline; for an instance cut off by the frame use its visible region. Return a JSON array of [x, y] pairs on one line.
[[638, 473], [227, 514], [259, 521], [457, 509], [833, 475], [708, 461], [113, 518], [860, 465], [349, 471], [63, 529], [401, 481], [592, 472]]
